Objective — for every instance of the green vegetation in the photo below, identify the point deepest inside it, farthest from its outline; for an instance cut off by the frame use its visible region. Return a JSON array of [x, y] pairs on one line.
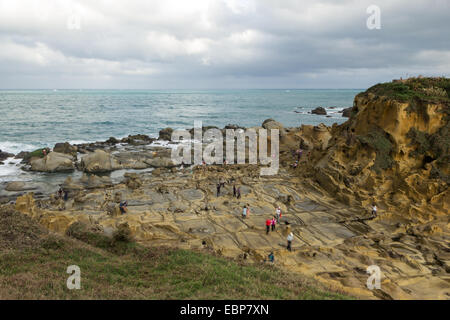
[[38, 153], [434, 90], [379, 141], [119, 268]]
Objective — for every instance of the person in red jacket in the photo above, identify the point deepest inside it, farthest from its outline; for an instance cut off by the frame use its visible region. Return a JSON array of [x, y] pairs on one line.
[[268, 224]]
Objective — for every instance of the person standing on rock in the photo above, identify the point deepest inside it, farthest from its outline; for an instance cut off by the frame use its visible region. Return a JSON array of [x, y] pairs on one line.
[[234, 191], [248, 210], [278, 214], [271, 257], [123, 207], [218, 189], [66, 195], [290, 237], [238, 192], [273, 222], [60, 193], [374, 210], [244, 212], [268, 224]]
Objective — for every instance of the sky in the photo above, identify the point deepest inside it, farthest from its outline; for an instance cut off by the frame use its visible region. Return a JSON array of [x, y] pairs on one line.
[[220, 44]]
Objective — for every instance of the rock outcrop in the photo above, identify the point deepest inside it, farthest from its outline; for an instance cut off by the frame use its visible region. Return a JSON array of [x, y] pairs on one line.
[[319, 111], [53, 162], [66, 148], [5, 155], [347, 112], [98, 161], [165, 134]]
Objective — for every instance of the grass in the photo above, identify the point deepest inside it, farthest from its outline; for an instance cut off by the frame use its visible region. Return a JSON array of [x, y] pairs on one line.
[[436, 90], [117, 269], [378, 140]]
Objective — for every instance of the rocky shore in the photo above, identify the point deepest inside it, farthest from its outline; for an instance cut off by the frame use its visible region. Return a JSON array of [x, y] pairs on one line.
[[391, 152]]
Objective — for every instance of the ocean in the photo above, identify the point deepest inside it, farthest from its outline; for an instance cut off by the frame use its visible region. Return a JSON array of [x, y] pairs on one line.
[[38, 118], [32, 119]]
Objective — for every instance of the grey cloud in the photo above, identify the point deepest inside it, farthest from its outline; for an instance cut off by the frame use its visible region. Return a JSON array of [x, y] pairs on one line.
[[219, 44]]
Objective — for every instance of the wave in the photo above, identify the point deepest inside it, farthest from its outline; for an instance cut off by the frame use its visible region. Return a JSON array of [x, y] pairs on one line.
[[16, 147]]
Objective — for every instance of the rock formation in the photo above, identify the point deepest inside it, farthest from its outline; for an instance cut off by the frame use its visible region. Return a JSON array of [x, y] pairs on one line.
[[53, 162]]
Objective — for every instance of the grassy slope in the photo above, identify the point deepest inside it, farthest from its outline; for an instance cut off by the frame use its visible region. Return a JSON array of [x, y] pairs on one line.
[[33, 265], [435, 90]]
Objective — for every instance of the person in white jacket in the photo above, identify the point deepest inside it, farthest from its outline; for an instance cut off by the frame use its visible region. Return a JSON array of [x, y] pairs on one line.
[[374, 210], [290, 237]]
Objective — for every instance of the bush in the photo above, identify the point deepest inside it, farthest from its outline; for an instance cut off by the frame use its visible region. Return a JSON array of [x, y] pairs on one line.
[[380, 142], [53, 242]]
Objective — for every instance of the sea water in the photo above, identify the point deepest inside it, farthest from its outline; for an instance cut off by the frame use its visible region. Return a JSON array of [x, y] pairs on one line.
[[32, 119]]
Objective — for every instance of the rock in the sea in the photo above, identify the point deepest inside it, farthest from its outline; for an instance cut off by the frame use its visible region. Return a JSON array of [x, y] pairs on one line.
[[319, 111], [160, 162], [5, 155], [17, 186], [233, 126], [112, 140], [137, 139], [98, 161], [165, 134], [66, 148], [22, 155], [270, 124], [53, 162], [347, 112]]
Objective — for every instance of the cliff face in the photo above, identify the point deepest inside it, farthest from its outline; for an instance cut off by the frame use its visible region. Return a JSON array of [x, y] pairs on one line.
[[393, 151]]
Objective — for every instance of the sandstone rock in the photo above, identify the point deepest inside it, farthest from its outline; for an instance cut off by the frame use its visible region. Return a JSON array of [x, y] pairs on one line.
[[66, 148], [5, 155], [53, 162], [270, 124], [319, 111], [21, 155], [165, 134], [112, 140], [132, 180], [18, 186], [160, 162], [347, 112], [99, 161]]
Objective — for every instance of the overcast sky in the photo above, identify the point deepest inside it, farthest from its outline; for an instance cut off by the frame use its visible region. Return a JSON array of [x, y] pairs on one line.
[[195, 44]]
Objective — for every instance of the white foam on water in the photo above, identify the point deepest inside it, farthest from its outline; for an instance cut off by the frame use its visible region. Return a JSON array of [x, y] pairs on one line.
[[11, 171], [72, 142], [165, 144], [16, 147]]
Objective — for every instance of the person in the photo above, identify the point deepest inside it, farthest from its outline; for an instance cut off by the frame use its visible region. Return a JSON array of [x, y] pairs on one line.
[[238, 192], [290, 237], [234, 191], [66, 195], [274, 221], [278, 214], [123, 207], [268, 224], [299, 155], [271, 257], [374, 210], [244, 212], [218, 189], [60, 193], [248, 209]]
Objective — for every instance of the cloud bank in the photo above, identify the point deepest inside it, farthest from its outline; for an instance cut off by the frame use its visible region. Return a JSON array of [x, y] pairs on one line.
[[219, 43]]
